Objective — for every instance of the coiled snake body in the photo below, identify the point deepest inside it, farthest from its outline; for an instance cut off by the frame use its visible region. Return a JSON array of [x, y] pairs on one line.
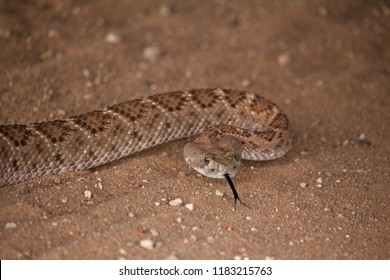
[[234, 124]]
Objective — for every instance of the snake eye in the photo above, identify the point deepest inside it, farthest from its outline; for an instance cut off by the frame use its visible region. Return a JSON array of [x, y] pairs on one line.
[[206, 160]]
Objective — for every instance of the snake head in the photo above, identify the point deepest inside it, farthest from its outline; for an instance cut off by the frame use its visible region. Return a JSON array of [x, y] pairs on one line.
[[214, 161]]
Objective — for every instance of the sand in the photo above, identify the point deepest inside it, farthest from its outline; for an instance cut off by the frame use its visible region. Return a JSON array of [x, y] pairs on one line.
[[325, 63]]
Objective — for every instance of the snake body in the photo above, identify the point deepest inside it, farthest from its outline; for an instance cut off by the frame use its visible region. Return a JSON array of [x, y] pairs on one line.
[[98, 137]]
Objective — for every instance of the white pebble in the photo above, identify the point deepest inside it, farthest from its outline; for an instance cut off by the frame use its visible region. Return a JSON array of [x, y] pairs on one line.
[[179, 220], [303, 185], [87, 194], [219, 193], [154, 232], [151, 53], [190, 206], [10, 225], [99, 184], [283, 59], [237, 257], [319, 180], [147, 244], [113, 38], [176, 202], [157, 204]]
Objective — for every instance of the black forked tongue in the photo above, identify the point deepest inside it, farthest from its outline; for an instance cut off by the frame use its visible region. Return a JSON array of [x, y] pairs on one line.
[[236, 197]]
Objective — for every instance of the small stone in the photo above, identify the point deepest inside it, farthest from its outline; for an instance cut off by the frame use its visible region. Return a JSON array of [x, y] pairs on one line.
[[190, 206], [165, 10], [57, 181], [248, 218], [254, 229], [176, 202], [130, 214], [319, 180], [154, 232], [53, 33], [147, 244], [283, 59], [99, 184], [237, 257], [322, 11], [219, 193], [319, 186], [151, 53], [303, 185], [327, 209], [10, 225], [362, 136], [157, 204], [64, 200], [179, 220], [172, 256], [364, 142], [113, 38], [328, 174], [246, 83], [87, 194]]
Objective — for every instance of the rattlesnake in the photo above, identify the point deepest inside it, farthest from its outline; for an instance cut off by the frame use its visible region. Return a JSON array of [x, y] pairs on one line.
[[234, 124]]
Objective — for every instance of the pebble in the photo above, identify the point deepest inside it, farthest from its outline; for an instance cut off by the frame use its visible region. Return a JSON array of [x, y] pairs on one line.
[[327, 209], [246, 83], [283, 59], [364, 142], [322, 11], [122, 251], [190, 206], [57, 181], [303, 185], [219, 193], [210, 239], [165, 10], [172, 256], [157, 204], [151, 53], [319, 180], [99, 184], [179, 220], [147, 244], [154, 232], [176, 202], [87, 194], [10, 225], [113, 38], [130, 214], [64, 200]]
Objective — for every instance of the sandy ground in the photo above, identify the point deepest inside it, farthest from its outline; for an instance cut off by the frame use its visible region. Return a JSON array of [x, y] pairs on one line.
[[325, 63]]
